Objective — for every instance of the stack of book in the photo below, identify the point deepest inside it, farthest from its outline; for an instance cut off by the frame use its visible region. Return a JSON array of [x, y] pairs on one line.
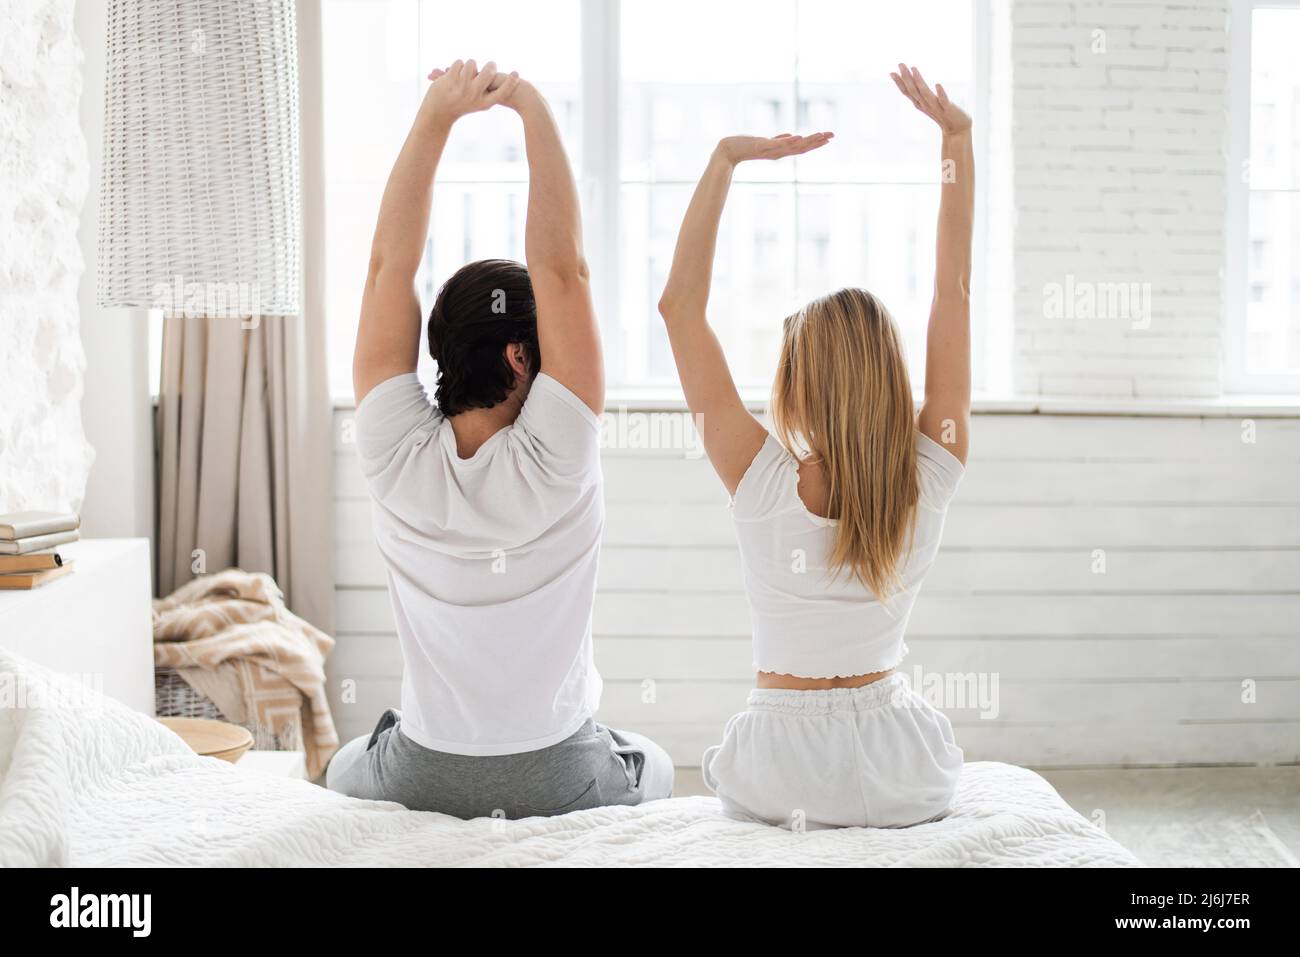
[[29, 543]]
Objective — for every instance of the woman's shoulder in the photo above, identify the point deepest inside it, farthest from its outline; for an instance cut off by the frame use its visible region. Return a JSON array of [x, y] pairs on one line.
[[768, 484], [940, 471]]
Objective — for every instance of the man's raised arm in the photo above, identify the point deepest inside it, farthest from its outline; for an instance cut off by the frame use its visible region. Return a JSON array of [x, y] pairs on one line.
[[567, 329], [388, 335]]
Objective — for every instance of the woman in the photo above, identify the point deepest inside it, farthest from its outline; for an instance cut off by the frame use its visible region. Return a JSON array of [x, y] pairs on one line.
[[838, 515]]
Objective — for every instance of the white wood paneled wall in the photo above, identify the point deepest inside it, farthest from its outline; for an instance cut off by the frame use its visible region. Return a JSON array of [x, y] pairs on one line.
[[1184, 650]]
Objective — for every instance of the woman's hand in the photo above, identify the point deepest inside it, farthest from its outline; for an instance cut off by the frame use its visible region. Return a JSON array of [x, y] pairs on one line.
[[935, 105], [737, 149], [464, 88]]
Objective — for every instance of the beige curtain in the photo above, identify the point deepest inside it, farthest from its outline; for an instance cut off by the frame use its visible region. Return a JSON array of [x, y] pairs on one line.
[[245, 457]]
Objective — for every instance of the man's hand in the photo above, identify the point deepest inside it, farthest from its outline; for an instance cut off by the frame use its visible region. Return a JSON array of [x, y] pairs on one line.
[[522, 96], [738, 149], [463, 88], [935, 105]]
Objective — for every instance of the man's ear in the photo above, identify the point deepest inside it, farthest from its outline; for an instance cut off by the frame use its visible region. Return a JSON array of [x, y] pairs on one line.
[[517, 356]]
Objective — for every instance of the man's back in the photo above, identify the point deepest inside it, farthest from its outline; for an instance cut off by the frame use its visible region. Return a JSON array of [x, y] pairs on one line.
[[492, 554], [491, 566]]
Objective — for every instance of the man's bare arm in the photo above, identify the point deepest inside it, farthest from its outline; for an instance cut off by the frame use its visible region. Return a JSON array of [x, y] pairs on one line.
[[388, 334], [567, 328]]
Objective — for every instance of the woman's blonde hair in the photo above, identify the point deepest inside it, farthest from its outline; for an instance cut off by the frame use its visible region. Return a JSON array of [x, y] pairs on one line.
[[842, 397]]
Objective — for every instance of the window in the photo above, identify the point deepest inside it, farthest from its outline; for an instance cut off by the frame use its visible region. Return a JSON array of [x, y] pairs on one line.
[[643, 90], [1263, 340], [376, 54]]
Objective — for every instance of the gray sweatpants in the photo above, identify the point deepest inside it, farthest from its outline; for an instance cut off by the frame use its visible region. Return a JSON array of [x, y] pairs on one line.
[[593, 767]]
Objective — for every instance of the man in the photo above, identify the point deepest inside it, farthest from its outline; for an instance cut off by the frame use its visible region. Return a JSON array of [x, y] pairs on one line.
[[488, 506]]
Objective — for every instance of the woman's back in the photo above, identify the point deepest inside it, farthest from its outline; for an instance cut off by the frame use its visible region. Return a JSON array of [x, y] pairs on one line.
[[810, 620]]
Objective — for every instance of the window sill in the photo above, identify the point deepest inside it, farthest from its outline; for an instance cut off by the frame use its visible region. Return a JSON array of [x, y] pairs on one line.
[[1228, 406]]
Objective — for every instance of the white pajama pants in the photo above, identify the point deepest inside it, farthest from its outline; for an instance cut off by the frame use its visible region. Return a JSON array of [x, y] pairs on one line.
[[875, 756]]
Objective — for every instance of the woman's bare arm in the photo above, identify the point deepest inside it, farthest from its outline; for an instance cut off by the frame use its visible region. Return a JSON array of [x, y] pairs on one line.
[[945, 413], [732, 437]]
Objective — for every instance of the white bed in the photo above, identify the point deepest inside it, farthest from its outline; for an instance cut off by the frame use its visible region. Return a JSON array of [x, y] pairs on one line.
[[93, 783]]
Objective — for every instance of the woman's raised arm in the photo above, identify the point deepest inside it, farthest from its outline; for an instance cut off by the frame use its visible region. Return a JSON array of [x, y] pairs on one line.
[[945, 413], [732, 437]]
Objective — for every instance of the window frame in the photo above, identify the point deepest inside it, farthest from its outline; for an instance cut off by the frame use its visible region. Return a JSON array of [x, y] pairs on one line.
[[1236, 378]]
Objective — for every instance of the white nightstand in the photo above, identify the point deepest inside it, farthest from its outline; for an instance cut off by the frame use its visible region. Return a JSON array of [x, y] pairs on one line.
[[95, 624]]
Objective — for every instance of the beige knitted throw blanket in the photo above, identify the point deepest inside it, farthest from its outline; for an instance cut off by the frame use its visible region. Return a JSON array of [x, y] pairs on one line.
[[232, 639]]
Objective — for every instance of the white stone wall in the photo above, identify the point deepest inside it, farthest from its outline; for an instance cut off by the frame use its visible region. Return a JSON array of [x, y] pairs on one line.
[[1119, 136], [44, 455]]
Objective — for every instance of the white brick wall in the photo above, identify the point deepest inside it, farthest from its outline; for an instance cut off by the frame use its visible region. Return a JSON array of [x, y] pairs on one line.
[[1118, 137]]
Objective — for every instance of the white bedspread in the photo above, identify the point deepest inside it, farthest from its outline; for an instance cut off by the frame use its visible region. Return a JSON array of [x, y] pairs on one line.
[[93, 783]]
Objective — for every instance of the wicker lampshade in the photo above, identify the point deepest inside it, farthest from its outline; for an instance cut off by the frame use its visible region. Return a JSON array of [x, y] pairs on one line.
[[201, 184]]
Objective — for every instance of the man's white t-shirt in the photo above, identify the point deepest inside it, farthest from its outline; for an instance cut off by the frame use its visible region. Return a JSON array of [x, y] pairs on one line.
[[491, 566]]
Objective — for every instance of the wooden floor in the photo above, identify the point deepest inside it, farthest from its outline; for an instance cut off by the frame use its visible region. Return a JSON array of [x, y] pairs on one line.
[[1176, 817]]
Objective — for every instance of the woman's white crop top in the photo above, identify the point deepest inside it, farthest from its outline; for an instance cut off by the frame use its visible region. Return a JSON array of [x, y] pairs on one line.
[[808, 621]]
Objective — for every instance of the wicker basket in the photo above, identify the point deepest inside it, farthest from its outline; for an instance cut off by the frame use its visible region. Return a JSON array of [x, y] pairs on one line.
[[174, 698]]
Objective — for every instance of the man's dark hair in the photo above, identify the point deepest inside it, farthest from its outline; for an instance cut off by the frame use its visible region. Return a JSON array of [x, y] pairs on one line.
[[482, 308]]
